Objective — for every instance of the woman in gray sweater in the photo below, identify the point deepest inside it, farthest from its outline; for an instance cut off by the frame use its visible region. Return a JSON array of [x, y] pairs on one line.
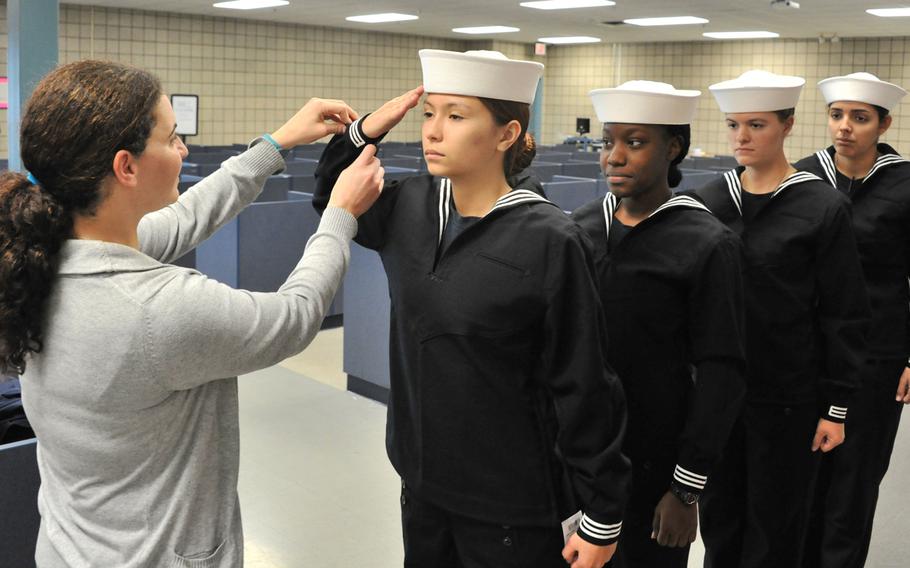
[[129, 364]]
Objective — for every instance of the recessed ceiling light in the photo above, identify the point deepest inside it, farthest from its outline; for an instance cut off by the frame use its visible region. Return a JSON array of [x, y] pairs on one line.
[[671, 21], [890, 12], [566, 4], [486, 30], [250, 4], [740, 35], [568, 39], [381, 18]]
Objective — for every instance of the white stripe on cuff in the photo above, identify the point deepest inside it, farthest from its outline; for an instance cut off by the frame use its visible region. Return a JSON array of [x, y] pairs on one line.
[[354, 131], [599, 530], [687, 477], [837, 412]]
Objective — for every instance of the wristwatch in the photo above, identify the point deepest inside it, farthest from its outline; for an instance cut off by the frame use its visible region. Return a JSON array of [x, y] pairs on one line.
[[687, 497]]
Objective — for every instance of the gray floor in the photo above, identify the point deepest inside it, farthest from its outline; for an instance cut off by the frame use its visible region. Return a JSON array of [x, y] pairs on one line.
[[317, 490]]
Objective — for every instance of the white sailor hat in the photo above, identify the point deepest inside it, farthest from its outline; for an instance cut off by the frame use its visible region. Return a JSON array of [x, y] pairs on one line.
[[758, 91], [487, 74], [862, 88], [645, 102]]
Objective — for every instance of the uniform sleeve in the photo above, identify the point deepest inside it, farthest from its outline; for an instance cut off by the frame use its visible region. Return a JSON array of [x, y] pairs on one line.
[[200, 330], [340, 153], [907, 315], [716, 316], [589, 401], [843, 311], [169, 233]]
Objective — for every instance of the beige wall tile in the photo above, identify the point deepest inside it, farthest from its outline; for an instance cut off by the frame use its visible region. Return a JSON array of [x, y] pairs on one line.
[[250, 76]]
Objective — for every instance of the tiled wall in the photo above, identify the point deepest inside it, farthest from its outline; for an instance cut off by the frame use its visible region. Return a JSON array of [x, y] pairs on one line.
[[251, 76], [573, 71]]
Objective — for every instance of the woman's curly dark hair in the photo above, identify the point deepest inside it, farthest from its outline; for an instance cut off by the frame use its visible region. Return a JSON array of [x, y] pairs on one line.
[[79, 116]]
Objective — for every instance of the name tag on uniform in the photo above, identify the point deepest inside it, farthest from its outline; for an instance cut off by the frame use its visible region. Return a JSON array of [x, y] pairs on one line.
[[570, 526]]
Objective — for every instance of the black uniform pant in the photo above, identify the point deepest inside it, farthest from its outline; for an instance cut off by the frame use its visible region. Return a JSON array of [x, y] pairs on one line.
[[847, 488], [650, 481], [435, 538], [755, 508]]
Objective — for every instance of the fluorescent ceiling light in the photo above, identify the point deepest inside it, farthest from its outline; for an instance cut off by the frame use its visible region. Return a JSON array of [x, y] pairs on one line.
[[740, 35], [250, 4], [486, 30], [566, 4], [671, 21], [381, 18], [890, 12], [569, 39]]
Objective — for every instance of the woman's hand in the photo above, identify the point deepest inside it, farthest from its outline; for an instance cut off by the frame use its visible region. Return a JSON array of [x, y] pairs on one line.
[[317, 118], [580, 553], [828, 436], [390, 114], [903, 387], [359, 185]]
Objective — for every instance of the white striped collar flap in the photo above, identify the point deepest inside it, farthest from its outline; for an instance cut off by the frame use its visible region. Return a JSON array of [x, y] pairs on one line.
[[734, 186]]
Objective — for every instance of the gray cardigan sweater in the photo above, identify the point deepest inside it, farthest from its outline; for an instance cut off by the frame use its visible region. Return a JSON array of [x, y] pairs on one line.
[[134, 397]]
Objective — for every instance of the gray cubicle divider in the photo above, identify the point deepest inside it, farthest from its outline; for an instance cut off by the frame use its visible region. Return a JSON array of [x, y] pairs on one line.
[[276, 188], [259, 248], [187, 181], [551, 156], [208, 169], [19, 518], [211, 157], [301, 167], [409, 152], [189, 168], [585, 157], [692, 180], [582, 169], [571, 194], [306, 184], [403, 162], [312, 154], [366, 325], [602, 186], [544, 171], [397, 173]]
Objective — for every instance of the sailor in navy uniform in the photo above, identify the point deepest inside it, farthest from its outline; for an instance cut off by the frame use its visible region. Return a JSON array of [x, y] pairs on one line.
[[806, 317], [876, 179], [504, 418], [670, 277]]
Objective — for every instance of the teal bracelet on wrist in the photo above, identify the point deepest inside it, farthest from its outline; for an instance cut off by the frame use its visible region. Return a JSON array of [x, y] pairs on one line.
[[268, 137]]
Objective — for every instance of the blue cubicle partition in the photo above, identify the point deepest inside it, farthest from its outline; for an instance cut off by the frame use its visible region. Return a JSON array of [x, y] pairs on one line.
[[259, 248], [414, 163], [366, 325], [585, 169], [571, 194], [189, 168], [585, 157], [301, 167], [544, 171], [551, 156], [694, 179], [19, 518]]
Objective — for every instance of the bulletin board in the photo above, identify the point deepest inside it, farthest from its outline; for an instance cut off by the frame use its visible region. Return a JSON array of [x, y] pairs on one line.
[[186, 108]]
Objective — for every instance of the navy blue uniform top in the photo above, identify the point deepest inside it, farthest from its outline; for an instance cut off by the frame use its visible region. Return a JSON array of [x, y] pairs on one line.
[[881, 221], [502, 407], [672, 293], [807, 311]]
